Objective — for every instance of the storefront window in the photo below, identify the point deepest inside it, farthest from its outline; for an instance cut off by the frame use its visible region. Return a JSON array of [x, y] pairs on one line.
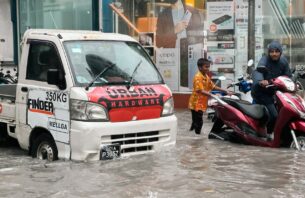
[[170, 30], [297, 24], [55, 14], [178, 32], [284, 21]]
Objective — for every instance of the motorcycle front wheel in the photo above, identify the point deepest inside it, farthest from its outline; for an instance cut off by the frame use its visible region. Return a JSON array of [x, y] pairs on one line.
[[301, 141]]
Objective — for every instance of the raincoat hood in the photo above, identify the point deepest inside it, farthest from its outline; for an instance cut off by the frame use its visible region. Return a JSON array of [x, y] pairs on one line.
[[275, 45]]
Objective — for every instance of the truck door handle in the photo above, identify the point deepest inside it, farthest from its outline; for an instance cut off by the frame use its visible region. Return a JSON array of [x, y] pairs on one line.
[[24, 89]]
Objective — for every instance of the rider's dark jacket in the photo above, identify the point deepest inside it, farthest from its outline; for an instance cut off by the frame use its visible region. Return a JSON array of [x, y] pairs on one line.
[[275, 68]]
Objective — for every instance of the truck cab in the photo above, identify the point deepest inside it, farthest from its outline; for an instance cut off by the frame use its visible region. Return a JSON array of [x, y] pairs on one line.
[[86, 95]]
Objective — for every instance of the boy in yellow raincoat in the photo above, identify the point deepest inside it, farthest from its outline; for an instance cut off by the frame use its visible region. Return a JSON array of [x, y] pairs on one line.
[[202, 85]]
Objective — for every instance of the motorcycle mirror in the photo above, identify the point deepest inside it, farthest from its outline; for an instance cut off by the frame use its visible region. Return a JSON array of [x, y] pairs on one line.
[[250, 62], [222, 78]]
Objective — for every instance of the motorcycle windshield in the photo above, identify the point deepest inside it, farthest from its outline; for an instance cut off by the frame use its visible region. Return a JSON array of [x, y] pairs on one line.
[[100, 63]]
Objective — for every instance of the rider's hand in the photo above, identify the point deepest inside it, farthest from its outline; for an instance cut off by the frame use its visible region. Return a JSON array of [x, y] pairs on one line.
[[263, 83]]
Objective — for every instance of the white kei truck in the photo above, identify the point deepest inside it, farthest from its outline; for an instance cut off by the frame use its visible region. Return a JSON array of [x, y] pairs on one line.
[[86, 95]]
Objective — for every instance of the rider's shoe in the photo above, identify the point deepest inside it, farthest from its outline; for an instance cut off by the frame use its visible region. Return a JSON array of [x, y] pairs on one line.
[[269, 137]]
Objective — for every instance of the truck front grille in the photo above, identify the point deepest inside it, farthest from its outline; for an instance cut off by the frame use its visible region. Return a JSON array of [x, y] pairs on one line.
[[136, 142], [135, 138], [136, 149]]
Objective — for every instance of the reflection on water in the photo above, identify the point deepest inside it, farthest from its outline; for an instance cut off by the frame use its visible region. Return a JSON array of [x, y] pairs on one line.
[[195, 167]]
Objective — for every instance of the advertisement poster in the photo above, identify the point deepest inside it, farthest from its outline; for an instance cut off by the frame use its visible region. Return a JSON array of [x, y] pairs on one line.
[[220, 20], [220, 38], [241, 27], [180, 27], [194, 53], [223, 58], [167, 61]]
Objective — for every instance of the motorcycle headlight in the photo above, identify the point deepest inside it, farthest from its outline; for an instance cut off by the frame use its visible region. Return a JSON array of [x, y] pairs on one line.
[[87, 111], [168, 107]]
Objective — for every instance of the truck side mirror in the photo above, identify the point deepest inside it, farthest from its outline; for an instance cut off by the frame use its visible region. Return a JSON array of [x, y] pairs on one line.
[[53, 78]]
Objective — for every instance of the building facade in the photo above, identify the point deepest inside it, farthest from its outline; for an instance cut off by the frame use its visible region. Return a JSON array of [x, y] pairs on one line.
[[174, 32]]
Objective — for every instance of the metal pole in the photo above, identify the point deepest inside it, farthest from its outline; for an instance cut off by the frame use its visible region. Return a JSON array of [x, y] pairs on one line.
[[251, 31], [126, 20], [290, 36], [100, 14]]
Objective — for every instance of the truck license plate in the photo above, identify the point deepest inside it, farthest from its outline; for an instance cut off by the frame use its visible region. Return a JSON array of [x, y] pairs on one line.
[[111, 151]]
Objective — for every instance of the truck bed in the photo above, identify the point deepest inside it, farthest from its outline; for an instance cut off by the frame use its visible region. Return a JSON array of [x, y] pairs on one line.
[[7, 102], [8, 91]]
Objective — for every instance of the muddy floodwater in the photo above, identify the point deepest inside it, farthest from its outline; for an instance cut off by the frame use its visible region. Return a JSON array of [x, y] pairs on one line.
[[195, 167]]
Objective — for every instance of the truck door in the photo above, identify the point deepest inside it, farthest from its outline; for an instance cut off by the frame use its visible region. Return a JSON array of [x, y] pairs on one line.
[[45, 106]]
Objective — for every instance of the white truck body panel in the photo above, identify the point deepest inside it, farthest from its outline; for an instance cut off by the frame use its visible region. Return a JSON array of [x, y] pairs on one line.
[[52, 114], [87, 138], [32, 106]]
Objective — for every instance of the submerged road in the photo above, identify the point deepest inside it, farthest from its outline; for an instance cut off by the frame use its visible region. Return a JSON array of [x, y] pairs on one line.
[[195, 167]]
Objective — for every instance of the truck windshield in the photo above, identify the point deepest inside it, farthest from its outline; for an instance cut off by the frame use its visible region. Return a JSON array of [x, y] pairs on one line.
[[88, 60]]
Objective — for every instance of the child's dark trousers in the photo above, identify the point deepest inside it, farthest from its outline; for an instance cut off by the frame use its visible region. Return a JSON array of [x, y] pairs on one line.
[[197, 121]]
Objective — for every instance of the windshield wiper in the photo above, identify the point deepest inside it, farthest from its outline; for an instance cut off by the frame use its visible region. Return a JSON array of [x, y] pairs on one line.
[[98, 76], [132, 75]]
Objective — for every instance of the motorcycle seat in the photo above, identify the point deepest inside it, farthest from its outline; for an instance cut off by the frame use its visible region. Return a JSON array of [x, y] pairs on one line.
[[255, 111]]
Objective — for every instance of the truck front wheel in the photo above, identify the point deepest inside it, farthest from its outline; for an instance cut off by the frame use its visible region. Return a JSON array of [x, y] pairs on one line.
[[44, 148]]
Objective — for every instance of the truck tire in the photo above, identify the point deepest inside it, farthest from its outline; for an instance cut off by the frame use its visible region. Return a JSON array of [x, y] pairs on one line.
[[44, 148], [3, 133]]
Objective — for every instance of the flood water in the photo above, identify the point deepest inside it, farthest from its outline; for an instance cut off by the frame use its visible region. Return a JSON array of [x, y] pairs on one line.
[[195, 167]]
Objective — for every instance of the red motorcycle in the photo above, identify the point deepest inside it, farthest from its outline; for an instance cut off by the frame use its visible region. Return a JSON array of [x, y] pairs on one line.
[[244, 122]]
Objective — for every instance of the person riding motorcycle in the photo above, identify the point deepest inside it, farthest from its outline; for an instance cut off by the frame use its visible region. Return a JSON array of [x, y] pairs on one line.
[[277, 65]]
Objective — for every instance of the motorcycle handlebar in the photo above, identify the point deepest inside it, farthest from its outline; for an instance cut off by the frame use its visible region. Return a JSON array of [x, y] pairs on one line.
[[229, 86], [233, 84], [269, 86]]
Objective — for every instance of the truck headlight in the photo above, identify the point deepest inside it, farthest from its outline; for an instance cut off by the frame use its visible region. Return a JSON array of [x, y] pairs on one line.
[[87, 111], [168, 107]]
